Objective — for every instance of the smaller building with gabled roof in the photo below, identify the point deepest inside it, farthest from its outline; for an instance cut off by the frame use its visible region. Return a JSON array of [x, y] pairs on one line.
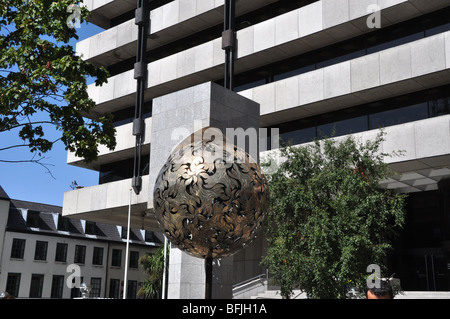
[[46, 255]]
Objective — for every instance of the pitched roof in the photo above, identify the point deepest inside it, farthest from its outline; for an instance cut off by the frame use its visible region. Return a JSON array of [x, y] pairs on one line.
[[3, 194], [48, 224]]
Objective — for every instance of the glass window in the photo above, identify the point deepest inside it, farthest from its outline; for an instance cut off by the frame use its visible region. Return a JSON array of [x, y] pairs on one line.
[[131, 289], [399, 116], [90, 228], [437, 30], [37, 282], [13, 284], [114, 288], [75, 291], [63, 223], [40, 252], [80, 254], [95, 287], [343, 127], [134, 259], [97, 258], [440, 106], [33, 219], [150, 236], [57, 286], [124, 233], [61, 252], [116, 259], [18, 248], [299, 136]]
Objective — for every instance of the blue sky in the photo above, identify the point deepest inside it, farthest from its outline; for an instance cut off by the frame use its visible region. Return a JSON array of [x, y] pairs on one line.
[[32, 182]]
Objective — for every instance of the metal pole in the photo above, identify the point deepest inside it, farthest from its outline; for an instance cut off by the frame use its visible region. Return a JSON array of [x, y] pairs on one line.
[[209, 277], [125, 280], [164, 269]]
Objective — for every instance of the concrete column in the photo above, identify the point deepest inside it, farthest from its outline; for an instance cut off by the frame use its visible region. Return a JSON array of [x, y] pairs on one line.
[[176, 116]]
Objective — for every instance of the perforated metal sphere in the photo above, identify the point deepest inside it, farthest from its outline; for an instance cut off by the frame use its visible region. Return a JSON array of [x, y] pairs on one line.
[[206, 204]]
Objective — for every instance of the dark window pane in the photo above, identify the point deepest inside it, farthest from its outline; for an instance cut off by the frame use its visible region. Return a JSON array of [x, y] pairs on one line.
[[13, 284], [398, 116], [440, 106], [97, 258], [18, 248], [57, 286], [343, 127], [40, 252], [80, 254], [37, 282], [116, 259], [299, 136], [61, 252], [33, 219]]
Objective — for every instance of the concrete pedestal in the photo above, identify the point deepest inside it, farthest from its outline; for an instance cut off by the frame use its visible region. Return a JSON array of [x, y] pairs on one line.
[[176, 116]]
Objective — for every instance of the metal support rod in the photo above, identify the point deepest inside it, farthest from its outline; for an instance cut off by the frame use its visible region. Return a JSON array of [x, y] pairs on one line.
[[125, 278], [140, 74], [209, 277], [164, 269], [230, 49]]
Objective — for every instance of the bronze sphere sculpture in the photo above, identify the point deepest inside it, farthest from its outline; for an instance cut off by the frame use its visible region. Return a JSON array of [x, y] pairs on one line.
[[208, 203]]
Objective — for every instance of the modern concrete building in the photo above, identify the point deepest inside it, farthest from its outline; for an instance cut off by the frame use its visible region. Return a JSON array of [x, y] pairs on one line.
[[41, 251], [352, 65]]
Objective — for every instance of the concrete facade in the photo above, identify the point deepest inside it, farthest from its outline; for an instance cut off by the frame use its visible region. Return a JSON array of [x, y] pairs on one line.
[[183, 78]]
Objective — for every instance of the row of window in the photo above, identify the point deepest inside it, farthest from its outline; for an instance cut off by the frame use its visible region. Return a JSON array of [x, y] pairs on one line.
[[41, 247], [402, 109], [108, 173], [378, 40], [58, 283]]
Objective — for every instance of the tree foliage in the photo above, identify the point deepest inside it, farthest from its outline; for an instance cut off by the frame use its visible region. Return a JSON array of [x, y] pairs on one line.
[[40, 73], [153, 265], [328, 218]]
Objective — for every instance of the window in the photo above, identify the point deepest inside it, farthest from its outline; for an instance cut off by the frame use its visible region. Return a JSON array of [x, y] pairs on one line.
[[124, 232], [131, 289], [80, 254], [121, 170], [393, 111], [399, 116], [150, 236], [114, 288], [75, 291], [339, 128], [57, 286], [13, 284], [97, 258], [116, 258], [95, 287], [61, 252], [37, 282], [33, 219], [90, 228], [40, 252], [18, 248], [63, 223], [134, 259]]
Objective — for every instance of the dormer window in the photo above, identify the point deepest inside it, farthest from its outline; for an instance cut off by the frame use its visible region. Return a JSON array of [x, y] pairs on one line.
[[33, 219]]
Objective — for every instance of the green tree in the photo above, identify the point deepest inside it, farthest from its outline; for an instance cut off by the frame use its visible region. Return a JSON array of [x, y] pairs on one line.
[[328, 218], [43, 83], [153, 265]]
